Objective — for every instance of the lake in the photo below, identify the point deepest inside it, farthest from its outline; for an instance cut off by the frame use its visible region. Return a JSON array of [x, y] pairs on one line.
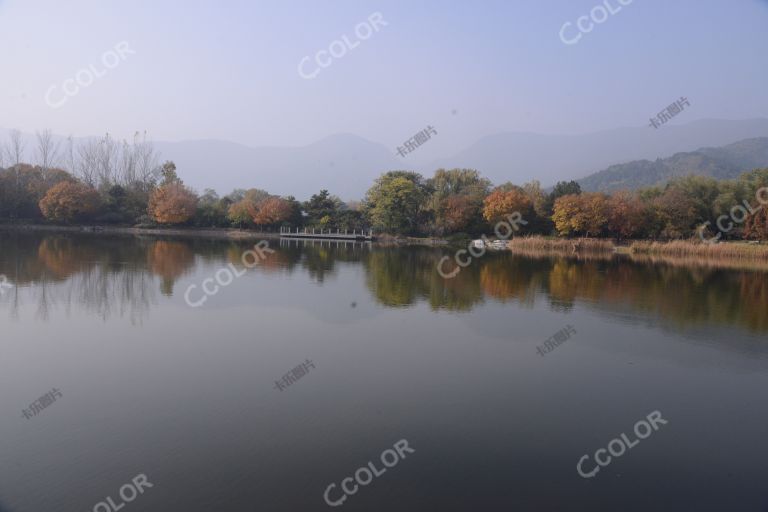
[[508, 383]]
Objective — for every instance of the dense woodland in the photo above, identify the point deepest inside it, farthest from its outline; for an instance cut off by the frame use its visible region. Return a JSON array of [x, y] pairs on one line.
[[119, 183]]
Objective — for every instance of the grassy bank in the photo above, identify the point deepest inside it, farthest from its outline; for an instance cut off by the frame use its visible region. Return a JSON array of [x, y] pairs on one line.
[[683, 253], [687, 249], [561, 245]]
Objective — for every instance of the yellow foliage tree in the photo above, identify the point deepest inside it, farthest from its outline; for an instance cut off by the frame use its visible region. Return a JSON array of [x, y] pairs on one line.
[[580, 213]]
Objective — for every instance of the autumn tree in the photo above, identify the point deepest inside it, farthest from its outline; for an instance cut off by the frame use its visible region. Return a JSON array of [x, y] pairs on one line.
[[584, 213], [541, 221], [271, 211], [444, 190], [501, 203], [756, 225], [172, 203], [68, 201], [456, 213], [627, 215], [242, 201]]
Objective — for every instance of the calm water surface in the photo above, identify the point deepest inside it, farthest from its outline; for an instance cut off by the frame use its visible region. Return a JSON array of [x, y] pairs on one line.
[[188, 396]]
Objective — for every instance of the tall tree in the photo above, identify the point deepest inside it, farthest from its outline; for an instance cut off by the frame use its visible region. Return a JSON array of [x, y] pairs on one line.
[[464, 188], [506, 201], [172, 203], [581, 213], [627, 215], [272, 211], [564, 188], [47, 151], [677, 213], [242, 202], [322, 206], [393, 203], [456, 213], [15, 148]]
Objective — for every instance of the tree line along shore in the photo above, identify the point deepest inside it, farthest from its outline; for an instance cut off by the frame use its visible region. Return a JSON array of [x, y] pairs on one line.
[[107, 183]]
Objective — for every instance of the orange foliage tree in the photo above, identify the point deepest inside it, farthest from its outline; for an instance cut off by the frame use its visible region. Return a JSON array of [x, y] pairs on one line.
[[68, 201], [172, 203], [270, 211], [501, 203]]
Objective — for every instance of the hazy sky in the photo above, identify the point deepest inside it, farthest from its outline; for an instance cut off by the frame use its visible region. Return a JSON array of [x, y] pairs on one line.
[[229, 69]]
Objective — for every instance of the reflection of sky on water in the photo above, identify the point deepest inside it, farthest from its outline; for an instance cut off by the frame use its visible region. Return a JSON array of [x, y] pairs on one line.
[[187, 395]]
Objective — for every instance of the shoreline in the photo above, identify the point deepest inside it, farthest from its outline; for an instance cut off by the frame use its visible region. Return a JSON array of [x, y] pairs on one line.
[[209, 233], [735, 255]]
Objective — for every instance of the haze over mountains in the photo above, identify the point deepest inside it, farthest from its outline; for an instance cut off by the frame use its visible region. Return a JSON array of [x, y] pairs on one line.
[[722, 163], [347, 165]]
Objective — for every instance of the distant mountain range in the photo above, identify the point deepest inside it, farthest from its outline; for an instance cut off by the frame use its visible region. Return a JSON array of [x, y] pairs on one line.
[[723, 163], [347, 164]]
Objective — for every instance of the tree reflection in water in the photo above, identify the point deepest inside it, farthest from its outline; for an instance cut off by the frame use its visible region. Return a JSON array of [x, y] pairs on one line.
[[122, 275]]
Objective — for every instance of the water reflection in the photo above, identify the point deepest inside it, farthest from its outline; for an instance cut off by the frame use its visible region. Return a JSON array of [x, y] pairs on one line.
[[123, 275]]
